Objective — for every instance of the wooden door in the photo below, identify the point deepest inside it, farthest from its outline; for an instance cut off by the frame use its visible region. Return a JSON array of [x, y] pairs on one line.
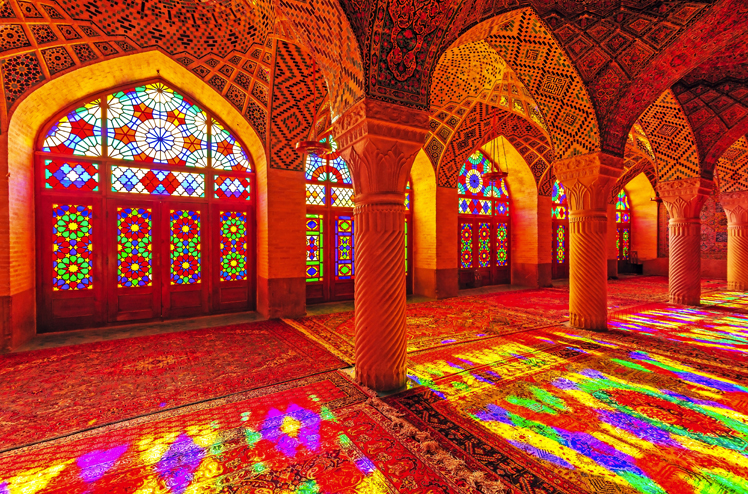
[[232, 249], [70, 245], [186, 254], [134, 237], [341, 257]]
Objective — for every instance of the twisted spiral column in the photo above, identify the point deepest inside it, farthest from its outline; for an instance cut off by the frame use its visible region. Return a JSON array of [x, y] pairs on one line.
[[588, 270], [380, 291], [737, 257], [685, 261]]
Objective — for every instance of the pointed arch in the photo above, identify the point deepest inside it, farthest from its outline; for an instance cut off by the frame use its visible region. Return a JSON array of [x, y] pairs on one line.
[[732, 167], [671, 138]]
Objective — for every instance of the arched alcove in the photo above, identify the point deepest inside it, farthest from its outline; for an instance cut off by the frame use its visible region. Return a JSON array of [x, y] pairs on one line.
[[17, 271]]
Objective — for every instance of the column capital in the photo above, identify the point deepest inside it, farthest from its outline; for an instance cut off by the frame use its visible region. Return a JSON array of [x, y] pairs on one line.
[[588, 179], [684, 198], [379, 141], [735, 205]]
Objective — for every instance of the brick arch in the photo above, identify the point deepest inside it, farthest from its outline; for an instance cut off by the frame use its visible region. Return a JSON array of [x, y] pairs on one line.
[[42, 104], [732, 167], [525, 43], [662, 56], [642, 165], [506, 92], [477, 129], [671, 138], [323, 29]]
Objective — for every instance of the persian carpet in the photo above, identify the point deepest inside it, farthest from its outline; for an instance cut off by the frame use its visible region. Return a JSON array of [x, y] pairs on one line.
[[429, 324], [47, 393], [586, 414], [309, 436]]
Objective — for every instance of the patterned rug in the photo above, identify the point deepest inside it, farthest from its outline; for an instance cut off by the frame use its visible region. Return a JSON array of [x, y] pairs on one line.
[[431, 324], [310, 436], [53, 392], [584, 413]]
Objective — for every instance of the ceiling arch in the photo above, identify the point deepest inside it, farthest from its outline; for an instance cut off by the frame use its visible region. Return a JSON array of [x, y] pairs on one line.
[[671, 138], [732, 167], [478, 129], [714, 97]]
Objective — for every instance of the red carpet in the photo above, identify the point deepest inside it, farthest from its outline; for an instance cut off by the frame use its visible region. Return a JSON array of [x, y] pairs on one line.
[[310, 436], [53, 392], [435, 324]]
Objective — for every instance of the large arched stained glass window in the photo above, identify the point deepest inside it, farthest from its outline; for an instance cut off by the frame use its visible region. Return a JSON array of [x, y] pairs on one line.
[[484, 225], [623, 226], [560, 232], [330, 263], [164, 193]]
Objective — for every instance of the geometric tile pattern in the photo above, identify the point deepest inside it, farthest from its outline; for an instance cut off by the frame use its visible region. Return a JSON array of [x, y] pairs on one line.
[[714, 97], [529, 48], [732, 167], [477, 129], [713, 229], [295, 81], [671, 139], [453, 98]]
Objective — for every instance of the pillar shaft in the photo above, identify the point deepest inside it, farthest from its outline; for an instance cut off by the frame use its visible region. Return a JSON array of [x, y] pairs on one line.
[[588, 180], [683, 200], [735, 205], [380, 141], [380, 293]]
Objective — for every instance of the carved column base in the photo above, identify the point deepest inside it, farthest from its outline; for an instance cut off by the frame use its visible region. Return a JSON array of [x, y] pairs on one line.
[[685, 261], [588, 270], [380, 291], [737, 258]]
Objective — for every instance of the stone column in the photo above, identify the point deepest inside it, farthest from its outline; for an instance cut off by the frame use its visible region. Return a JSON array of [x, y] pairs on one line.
[[735, 205], [380, 141], [683, 200], [588, 180]]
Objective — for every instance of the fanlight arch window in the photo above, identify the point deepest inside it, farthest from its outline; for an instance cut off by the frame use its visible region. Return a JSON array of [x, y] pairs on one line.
[[484, 224], [150, 199], [560, 231], [623, 226]]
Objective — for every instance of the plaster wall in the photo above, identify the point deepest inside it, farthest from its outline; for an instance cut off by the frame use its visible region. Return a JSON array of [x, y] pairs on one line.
[[643, 217]]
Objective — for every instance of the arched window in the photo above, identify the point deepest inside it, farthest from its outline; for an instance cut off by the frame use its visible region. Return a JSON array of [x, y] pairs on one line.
[[483, 225], [146, 210], [560, 232], [623, 226], [330, 267], [409, 236]]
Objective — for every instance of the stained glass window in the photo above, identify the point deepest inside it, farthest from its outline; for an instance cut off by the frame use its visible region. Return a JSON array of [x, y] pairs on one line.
[[227, 153], [344, 248], [484, 244], [233, 246], [560, 244], [72, 250], [232, 187], [407, 196], [341, 197], [314, 247], [78, 133], [466, 245], [185, 247], [623, 225], [502, 244], [134, 247], [154, 124], [559, 211], [73, 175], [489, 202], [315, 194], [157, 182]]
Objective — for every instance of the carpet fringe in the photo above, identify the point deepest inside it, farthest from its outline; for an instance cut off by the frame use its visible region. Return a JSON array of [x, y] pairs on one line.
[[433, 450]]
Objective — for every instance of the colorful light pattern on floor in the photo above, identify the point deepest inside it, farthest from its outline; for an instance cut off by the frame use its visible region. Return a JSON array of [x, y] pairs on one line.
[[706, 329], [603, 415], [291, 441]]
